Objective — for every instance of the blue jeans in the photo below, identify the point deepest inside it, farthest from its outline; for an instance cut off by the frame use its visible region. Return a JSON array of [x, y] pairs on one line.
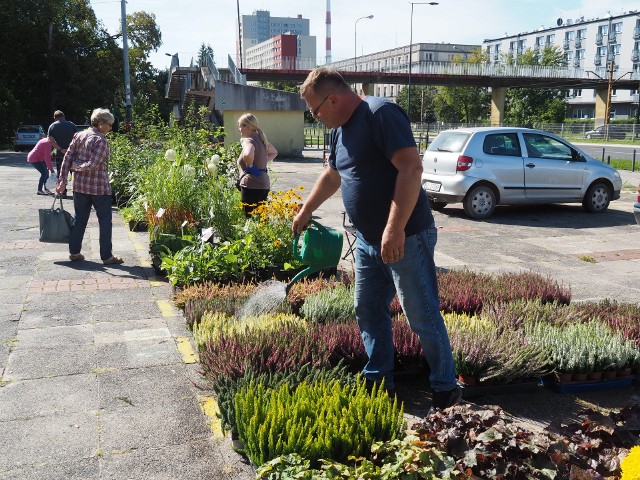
[[41, 167], [82, 204], [414, 279]]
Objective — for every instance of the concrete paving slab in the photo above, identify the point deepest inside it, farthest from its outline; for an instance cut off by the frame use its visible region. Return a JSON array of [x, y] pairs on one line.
[[191, 460], [152, 426], [120, 312], [8, 331], [48, 440], [116, 331], [82, 469], [55, 337], [135, 354], [140, 387], [45, 397], [50, 362]]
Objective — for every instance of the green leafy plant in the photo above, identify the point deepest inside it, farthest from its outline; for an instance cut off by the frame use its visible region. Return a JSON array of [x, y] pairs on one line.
[[323, 419]]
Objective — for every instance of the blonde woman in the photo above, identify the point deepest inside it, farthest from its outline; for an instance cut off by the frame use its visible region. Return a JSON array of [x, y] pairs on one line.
[[256, 153]]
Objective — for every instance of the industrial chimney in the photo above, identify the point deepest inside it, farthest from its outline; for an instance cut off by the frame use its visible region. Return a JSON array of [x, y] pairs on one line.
[[328, 22]]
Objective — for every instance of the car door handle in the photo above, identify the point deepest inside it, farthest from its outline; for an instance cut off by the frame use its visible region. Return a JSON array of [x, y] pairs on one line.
[[530, 165]]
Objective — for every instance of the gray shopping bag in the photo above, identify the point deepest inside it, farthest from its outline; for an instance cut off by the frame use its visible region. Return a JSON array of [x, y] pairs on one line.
[[55, 223]]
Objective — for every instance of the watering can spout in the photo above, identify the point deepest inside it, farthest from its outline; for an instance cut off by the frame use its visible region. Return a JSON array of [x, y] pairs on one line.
[[321, 248]]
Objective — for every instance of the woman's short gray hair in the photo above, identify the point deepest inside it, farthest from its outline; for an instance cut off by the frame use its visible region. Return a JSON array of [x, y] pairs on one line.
[[101, 115]]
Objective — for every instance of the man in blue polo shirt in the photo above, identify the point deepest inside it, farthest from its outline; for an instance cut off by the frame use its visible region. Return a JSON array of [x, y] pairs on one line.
[[60, 134], [374, 160]]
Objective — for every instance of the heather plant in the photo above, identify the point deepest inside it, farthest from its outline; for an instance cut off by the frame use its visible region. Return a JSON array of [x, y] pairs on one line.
[[471, 340], [316, 420], [345, 343], [621, 317], [330, 305], [463, 291], [302, 289], [584, 347], [513, 315], [212, 297], [261, 350], [214, 326], [409, 351], [225, 389]]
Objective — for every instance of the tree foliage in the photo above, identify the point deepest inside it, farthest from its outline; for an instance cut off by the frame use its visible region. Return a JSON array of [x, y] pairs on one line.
[[421, 101], [530, 106], [57, 55]]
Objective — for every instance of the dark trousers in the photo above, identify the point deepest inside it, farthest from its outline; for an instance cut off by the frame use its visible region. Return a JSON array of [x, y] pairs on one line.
[[82, 204], [251, 197], [41, 167]]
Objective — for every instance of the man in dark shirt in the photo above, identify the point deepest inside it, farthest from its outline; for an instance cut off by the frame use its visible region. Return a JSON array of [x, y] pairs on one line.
[[60, 134], [375, 161]]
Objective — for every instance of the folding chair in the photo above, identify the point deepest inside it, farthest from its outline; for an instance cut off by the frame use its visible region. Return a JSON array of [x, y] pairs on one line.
[[350, 235]]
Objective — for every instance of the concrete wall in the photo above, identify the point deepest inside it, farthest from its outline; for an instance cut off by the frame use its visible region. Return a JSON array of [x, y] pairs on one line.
[[281, 114]]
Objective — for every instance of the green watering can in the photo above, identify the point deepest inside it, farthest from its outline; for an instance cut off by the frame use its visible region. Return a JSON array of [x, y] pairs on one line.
[[321, 248]]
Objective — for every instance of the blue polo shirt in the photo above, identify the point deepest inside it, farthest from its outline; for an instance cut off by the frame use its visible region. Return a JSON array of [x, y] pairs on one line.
[[361, 153]]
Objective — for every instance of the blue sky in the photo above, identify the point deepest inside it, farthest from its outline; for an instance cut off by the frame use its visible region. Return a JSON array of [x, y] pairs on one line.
[[185, 25]]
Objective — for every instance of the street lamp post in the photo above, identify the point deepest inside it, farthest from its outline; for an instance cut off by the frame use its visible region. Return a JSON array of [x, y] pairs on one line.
[[355, 41], [411, 54]]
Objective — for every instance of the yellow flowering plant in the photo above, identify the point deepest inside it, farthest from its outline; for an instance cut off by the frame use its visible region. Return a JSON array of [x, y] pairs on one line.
[[631, 465], [270, 226]]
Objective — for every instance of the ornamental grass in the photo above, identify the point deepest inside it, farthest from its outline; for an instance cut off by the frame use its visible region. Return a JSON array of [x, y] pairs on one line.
[[317, 420]]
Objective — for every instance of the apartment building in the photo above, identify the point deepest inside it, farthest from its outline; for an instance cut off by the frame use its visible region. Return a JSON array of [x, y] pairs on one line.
[[286, 52], [589, 44], [260, 26], [396, 60]]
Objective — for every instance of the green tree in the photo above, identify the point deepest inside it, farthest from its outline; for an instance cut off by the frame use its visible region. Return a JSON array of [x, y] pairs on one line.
[[205, 52], [463, 104], [421, 101], [531, 106]]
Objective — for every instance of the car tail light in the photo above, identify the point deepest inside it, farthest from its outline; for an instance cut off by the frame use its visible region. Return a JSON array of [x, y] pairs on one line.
[[464, 163], [639, 195]]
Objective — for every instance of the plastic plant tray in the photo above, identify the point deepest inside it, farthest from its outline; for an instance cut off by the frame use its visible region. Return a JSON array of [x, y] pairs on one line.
[[590, 385], [469, 391]]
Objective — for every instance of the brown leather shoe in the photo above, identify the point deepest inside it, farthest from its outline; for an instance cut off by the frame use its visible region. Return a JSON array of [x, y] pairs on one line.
[[113, 261], [76, 256]]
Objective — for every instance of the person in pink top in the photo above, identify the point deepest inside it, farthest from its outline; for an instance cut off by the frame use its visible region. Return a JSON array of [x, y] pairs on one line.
[[40, 158]]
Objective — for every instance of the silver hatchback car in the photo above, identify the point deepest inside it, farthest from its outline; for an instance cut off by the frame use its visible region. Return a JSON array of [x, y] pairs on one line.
[[488, 166]]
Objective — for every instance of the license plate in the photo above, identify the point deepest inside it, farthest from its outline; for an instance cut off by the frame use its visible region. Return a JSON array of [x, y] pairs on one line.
[[29, 136], [432, 186]]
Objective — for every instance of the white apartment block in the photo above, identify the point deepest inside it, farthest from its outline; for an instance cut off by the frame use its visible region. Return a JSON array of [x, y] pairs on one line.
[[589, 44], [396, 60]]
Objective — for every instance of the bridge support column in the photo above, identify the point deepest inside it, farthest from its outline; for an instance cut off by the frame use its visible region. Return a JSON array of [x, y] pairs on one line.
[[601, 106], [498, 95], [367, 89]]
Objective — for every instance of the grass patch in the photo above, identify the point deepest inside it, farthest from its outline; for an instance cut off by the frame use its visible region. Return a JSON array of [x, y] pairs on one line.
[[588, 258]]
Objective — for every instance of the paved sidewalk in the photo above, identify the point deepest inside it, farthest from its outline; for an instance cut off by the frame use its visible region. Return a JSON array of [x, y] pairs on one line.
[[94, 382]]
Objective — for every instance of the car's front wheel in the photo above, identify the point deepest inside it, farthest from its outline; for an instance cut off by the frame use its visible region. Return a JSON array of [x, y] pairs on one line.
[[588, 136], [480, 202], [597, 198]]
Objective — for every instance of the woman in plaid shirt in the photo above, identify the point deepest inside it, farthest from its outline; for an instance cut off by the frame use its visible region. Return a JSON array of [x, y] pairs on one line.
[[87, 158]]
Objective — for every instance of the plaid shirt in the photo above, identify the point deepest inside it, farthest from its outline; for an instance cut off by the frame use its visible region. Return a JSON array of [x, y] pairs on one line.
[[87, 158]]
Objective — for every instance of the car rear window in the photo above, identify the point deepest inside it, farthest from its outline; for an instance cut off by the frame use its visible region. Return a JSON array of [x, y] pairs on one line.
[[449, 142], [28, 130]]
